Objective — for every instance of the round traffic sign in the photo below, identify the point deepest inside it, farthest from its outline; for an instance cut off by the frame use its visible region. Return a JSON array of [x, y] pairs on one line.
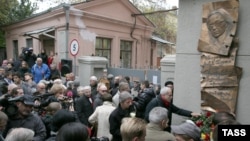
[[74, 47]]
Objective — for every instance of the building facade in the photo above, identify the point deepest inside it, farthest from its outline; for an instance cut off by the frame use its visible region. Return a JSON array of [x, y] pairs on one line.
[[102, 28]]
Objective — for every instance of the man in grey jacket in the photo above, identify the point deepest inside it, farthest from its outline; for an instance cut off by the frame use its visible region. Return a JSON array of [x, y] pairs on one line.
[[25, 118]]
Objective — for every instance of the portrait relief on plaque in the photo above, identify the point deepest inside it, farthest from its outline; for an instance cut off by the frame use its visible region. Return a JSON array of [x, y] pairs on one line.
[[218, 27], [218, 45]]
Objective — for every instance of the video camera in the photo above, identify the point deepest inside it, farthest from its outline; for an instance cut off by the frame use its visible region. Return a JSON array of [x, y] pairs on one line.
[[41, 96], [8, 104], [27, 50]]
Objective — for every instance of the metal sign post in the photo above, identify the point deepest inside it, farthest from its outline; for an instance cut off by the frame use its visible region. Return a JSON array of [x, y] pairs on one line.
[[74, 48]]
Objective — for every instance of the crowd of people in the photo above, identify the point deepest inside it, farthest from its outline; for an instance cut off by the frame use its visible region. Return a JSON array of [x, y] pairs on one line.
[[37, 104]]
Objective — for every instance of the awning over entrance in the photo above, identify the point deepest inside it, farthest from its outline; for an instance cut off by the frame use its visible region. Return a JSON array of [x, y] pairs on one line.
[[161, 40], [43, 31]]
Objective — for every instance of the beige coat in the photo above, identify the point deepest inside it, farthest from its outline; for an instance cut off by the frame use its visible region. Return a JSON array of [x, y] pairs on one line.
[[101, 117], [155, 133]]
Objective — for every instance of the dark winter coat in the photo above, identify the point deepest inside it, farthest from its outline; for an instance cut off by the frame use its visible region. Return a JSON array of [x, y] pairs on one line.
[[115, 121], [171, 109], [142, 101], [84, 109]]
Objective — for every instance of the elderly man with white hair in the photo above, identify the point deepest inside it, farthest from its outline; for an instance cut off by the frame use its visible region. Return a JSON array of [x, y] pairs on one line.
[[158, 121], [40, 70], [93, 81], [165, 100], [84, 105]]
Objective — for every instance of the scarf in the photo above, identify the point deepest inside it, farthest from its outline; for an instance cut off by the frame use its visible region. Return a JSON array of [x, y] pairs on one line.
[[165, 102]]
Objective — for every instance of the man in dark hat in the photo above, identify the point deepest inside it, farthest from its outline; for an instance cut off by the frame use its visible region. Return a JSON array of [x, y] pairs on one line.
[[23, 117]]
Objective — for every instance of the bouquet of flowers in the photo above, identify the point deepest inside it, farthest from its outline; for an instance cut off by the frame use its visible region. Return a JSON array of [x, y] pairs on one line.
[[204, 122]]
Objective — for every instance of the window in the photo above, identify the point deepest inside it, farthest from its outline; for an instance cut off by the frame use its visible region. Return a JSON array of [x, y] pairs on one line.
[[29, 42], [103, 48], [126, 53], [15, 49]]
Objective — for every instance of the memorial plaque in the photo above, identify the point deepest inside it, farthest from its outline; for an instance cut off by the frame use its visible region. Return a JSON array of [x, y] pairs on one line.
[[217, 81], [220, 98], [222, 71], [219, 60], [218, 46], [219, 22], [226, 76]]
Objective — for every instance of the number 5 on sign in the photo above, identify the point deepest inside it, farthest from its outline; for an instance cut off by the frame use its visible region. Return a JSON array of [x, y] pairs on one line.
[[74, 47]]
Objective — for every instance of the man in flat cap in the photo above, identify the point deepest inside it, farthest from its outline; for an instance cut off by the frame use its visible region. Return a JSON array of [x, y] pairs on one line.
[[23, 117]]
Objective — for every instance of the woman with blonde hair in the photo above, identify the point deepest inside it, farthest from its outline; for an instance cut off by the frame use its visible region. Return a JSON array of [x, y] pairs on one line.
[[58, 90]]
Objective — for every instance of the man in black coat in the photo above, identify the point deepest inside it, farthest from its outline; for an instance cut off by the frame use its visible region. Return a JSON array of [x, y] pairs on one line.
[[123, 110], [164, 100], [143, 98], [84, 106], [93, 84]]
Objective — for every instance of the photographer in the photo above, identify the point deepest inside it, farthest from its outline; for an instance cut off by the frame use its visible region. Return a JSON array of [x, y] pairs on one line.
[[23, 117], [58, 91], [29, 56]]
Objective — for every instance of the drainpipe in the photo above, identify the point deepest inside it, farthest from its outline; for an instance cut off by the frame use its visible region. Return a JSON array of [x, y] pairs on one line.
[[136, 41], [66, 9]]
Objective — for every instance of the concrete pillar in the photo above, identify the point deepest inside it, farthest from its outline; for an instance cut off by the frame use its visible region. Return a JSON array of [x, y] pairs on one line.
[[187, 71], [90, 65], [167, 68]]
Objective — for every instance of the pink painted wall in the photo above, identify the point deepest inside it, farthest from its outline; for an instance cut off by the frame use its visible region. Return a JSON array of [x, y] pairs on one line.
[[100, 18]]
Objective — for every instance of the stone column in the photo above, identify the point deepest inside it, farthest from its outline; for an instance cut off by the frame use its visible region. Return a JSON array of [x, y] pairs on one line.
[[167, 68], [90, 65]]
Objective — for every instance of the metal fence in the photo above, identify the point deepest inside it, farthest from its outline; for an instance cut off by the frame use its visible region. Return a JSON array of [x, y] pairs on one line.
[[135, 74]]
